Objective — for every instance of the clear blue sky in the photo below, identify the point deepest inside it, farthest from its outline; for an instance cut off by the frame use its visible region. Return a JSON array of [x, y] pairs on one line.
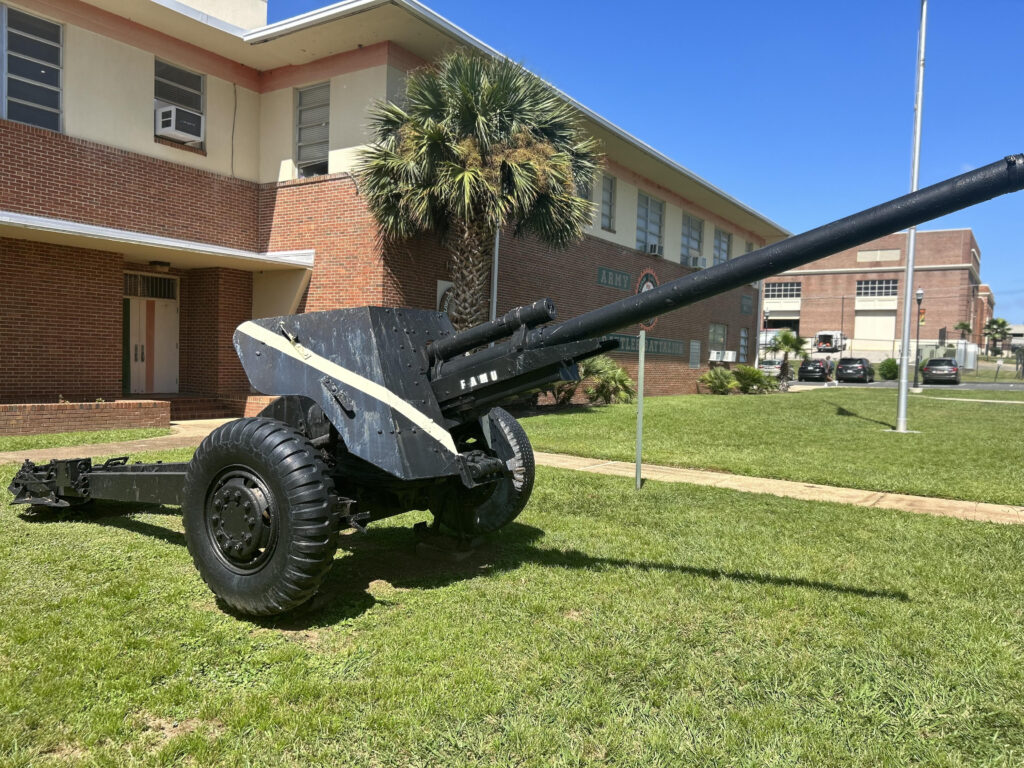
[[802, 110]]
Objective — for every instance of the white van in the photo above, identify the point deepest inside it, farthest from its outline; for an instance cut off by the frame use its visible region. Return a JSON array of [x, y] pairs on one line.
[[829, 341]]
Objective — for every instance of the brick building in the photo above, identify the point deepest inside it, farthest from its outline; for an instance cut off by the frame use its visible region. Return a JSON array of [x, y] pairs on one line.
[[171, 171], [859, 292]]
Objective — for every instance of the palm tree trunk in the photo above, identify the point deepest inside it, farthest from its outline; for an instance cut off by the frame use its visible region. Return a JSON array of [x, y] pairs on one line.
[[469, 268]]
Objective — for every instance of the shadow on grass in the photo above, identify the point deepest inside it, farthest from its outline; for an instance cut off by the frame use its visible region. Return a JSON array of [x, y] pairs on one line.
[[391, 555], [841, 411]]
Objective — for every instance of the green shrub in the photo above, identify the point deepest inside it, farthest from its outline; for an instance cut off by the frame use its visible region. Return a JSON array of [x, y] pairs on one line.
[[750, 380], [719, 381], [608, 383], [888, 369]]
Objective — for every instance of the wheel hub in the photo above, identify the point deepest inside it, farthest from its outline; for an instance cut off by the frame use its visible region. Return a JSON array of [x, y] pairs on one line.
[[241, 518]]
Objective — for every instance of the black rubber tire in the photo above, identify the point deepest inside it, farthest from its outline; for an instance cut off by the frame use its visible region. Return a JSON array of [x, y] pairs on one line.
[[291, 476], [512, 493], [466, 515]]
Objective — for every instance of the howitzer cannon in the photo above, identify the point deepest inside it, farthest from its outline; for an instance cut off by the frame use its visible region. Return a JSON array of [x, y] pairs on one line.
[[382, 411]]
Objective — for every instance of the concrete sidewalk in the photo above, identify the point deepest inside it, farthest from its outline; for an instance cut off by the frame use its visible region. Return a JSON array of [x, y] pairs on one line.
[[966, 510], [184, 434], [187, 434]]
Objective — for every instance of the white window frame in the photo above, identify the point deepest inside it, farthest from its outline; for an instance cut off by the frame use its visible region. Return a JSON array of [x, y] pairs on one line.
[[5, 74], [872, 288], [646, 236], [789, 290], [693, 232], [608, 190], [300, 166], [722, 247], [744, 340]]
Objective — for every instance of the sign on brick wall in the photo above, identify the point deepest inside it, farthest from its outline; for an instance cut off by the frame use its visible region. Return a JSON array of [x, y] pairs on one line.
[[613, 278], [654, 346]]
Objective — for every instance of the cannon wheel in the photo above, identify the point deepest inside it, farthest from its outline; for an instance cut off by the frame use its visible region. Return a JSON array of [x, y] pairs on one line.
[[466, 512], [258, 516]]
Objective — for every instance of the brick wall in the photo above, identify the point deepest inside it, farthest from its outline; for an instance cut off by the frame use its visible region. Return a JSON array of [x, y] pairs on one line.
[[325, 213], [47, 418], [48, 174], [60, 323], [213, 303]]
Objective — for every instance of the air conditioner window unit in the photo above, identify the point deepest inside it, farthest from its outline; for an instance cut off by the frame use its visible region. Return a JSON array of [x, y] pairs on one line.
[[716, 356], [730, 356], [178, 124], [654, 249]]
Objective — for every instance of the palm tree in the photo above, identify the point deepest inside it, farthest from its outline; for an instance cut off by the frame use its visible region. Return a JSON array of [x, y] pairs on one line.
[[996, 330], [787, 342], [964, 328], [477, 145]]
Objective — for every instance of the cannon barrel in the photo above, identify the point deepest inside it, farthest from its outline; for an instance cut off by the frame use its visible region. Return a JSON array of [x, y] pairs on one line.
[[531, 315], [1006, 175]]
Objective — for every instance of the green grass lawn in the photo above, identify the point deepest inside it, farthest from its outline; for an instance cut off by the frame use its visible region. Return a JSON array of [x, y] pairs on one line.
[[61, 439], [836, 436], [677, 626], [973, 394], [988, 371]]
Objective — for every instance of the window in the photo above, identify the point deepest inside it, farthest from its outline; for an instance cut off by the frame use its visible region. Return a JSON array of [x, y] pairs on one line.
[[584, 191], [178, 87], [650, 213], [693, 242], [750, 247], [723, 244], [782, 290], [746, 304], [877, 287], [744, 336], [716, 336], [31, 69], [150, 286], [312, 129], [608, 203], [695, 354]]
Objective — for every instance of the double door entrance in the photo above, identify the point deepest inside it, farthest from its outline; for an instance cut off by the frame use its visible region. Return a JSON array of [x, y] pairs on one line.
[[150, 335]]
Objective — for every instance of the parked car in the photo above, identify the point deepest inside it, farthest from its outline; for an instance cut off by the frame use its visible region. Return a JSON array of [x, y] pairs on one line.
[[815, 370], [855, 369], [770, 367], [941, 369]]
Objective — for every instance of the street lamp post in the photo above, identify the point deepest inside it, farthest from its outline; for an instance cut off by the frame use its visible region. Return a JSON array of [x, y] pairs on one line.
[[917, 346], [764, 331]]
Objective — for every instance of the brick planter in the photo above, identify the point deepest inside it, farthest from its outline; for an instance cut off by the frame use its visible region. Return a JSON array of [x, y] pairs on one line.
[[44, 418]]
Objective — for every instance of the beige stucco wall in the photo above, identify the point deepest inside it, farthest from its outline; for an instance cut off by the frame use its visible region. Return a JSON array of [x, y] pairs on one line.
[[108, 98], [278, 292], [277, 131], [351, 95]]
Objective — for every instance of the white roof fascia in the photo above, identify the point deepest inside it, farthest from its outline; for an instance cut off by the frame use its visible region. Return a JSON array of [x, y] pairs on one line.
[[204, 18], [349, 7], [303, 258]]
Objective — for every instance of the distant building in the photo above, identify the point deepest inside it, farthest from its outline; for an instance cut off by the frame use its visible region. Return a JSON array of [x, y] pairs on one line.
[[859, 292]]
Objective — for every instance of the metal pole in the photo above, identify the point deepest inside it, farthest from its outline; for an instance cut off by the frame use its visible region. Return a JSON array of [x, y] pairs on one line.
[[494, 276], [640, 409], [917, 345], [908, 280]]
